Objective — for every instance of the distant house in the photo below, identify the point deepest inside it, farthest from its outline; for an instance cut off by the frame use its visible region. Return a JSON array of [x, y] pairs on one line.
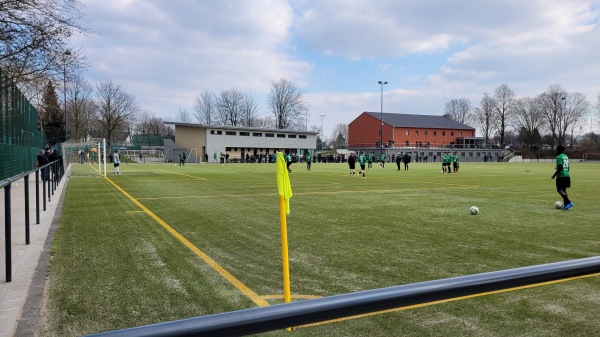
[[236, 142], [407, 130]]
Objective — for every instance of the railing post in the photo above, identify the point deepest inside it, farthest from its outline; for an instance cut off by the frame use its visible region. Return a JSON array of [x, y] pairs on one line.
[[7, 240], [44, 186], [26, 179], [49, 181]]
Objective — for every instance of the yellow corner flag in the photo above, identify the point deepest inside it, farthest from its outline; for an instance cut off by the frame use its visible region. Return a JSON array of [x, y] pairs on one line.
[[283, 181]]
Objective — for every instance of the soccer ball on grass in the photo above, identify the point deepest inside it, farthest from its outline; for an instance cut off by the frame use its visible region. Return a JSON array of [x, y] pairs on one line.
[[474, 210], [558, 205]]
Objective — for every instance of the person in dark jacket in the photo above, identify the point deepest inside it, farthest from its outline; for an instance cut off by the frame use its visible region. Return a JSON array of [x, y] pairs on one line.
[[54, 158], [41, 160]]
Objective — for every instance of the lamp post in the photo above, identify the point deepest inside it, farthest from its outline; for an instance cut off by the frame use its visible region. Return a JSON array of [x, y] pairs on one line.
[[67, 54], [322, 131], [381, 117]]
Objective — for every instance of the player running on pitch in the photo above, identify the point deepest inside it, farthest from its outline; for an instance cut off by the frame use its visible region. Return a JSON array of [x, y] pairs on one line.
[[361, 161]]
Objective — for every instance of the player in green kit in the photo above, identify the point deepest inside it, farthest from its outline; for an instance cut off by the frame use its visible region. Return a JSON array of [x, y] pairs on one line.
[[563, 178], [444, 162], [382, 160], [448, 159], [370, 160], [288, 162], [455, 164], [361, 161], [308, 158]]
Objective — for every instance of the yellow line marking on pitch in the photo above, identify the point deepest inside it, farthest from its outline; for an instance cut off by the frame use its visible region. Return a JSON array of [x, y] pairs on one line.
[[449, 300], [299, 297], [212, 263]]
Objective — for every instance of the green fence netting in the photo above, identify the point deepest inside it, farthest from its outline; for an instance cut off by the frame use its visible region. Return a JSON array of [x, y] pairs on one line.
[[20, 139]]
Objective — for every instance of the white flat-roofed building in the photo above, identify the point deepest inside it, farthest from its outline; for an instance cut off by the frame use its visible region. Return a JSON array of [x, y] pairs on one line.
[[238, 141]]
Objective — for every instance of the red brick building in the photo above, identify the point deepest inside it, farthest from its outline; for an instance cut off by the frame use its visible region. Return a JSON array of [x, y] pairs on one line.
[[401, 130]]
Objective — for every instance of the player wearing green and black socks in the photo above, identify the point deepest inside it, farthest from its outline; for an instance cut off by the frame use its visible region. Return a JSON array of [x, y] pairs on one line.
[[382, 160], [361, 160], [288, 161], [563, 178], [455, 164], [308, 159], [370, 159]]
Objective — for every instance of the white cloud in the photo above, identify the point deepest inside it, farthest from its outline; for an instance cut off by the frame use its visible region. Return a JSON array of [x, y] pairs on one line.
[[166, 52]]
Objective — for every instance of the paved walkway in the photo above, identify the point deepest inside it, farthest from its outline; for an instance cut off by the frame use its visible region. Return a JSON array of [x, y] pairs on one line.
[[20, 299]]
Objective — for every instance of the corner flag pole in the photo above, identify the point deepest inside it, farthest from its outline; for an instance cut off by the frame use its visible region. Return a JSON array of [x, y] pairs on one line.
[[284, 251], [285, 193]]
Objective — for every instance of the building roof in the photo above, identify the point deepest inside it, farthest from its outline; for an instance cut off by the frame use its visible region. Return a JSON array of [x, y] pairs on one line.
[[242, 128], [419, 121]]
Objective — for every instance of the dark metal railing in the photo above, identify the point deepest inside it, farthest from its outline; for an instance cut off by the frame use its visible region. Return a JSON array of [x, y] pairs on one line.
[[51, 173], [256, 320]]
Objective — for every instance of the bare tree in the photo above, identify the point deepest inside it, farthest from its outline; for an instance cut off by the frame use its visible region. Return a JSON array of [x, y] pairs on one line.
[[503, 103], [287, 103], [229, 106], [266, 123], [553, 103], [339, 135], [249, 110], [149, 124], [34, 35], [205, 107], [116, 108], [80, 107], [459, 110], [598, 105], [576, 107], [183, 116], [484, 117], [529, 118]]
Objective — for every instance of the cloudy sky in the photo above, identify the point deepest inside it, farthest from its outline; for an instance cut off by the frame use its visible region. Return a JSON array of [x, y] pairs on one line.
[[335, 51]]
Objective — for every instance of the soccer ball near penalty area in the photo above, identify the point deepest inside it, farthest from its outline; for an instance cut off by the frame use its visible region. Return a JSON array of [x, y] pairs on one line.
[[558, 205], [474, 210]]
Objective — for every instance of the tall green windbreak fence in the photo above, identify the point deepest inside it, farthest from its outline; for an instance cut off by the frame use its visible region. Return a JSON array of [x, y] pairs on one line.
[[20, 139]]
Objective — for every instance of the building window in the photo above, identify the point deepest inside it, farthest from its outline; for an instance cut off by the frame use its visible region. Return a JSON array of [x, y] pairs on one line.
[[434, 133], [257, 134], [460, 133], [417, 133], [425, 132], [269, 135], [227, 149], [291, 136], [230, 133], [213, 132], [443, 133], [302, 136], [407, 132], [280, 135], [244, 133], [452, 133]]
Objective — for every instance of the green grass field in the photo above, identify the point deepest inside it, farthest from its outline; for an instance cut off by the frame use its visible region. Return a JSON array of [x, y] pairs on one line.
[[115, 265]]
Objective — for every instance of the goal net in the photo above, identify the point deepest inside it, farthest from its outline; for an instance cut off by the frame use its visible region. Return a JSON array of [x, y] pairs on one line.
[[144, 156]]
